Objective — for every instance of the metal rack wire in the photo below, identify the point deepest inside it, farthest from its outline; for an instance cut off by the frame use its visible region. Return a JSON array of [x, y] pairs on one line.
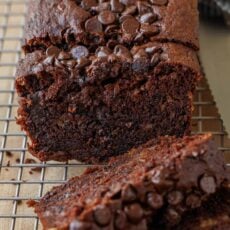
[[21, 176]]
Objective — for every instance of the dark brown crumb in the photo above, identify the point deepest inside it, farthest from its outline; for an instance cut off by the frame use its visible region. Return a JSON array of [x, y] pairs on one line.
[[8, 164], [19, 202], [12, 179], [9, 154], [30, 172], [17, 160], [31, 203], [36, 169], [6, 169], [30, 161]]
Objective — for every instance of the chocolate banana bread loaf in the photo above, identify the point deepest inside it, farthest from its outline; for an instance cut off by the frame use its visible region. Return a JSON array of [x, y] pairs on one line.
[[160, 180], [97, 79]]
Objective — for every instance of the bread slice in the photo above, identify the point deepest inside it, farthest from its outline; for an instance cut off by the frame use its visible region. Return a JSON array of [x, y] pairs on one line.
[[159, 181]]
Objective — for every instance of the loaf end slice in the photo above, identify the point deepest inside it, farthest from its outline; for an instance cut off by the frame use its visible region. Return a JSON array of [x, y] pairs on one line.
[[155, 183]]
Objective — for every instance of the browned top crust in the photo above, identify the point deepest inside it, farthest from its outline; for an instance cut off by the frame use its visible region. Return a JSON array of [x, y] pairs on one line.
[[127, 22], [151, 57]]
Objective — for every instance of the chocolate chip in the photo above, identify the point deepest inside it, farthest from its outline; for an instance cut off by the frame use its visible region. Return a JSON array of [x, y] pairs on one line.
[[37, 68], [155, 59], [111, 44], [116, 6], [120, 220], [134, 212], [111, 29], [103, 51], [141, 64], [124, 17], [139, 37], [79, 52], [69, 63], [83, 62], [92, 25], [173, 217], [144, 7], [123, 53], [64, 56], [49, 60], [130, 26], [128, 2], [155, 200], [129, 194], [193, 201], [102, 6], [208, 184], [175, 197], [106, 17], [102, 215], [153, 49], [87, 4], [58, 63], [150, 30], [148, 18], [140, 53], [53, 51], [78, 225], [159, 2], [130, 10]]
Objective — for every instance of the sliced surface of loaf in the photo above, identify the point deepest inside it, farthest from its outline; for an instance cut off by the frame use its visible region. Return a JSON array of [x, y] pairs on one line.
[[155, 183]]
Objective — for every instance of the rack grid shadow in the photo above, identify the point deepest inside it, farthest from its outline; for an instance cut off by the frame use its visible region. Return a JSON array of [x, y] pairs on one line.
[[22, 177]]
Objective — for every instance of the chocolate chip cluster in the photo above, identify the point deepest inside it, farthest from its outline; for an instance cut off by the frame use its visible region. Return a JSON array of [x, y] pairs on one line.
[[139, 58], [132, 204], [116, 22]]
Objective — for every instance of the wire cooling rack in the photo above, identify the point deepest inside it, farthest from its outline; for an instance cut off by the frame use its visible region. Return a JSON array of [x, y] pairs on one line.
[[21, 176]]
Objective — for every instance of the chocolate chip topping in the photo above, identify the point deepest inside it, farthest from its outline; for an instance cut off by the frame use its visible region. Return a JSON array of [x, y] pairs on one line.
[[128, 2], [106, 17], [130, 10], [193, 201], [102, 215], [149, 30], [208, 184], [123, 53], [148, 18], [175, 197], [159, 2], [53, 51], [129, 194], [79, 52], [116, 6], [78, 225], [103, 51], [82, 62], [173, 216], [130, 26], [87, 4], [64, 56], [155, 200], [134, 212], [120, 220], [143, 7], [92, 25]]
